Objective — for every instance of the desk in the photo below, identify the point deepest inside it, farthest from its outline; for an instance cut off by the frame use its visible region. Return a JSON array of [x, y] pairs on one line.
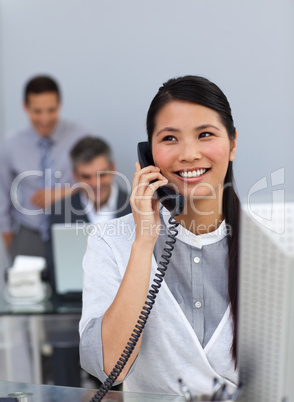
[[52, 306], [50, 393], [43, 320]]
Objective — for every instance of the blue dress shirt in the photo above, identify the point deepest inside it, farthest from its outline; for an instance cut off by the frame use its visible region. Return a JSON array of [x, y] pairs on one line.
[[20, 172]]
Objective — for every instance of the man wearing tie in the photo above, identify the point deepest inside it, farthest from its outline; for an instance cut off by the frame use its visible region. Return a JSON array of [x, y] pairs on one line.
[[34, 168]]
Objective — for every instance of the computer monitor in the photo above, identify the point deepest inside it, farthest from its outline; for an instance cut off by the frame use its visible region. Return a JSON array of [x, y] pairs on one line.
[[266, 303], [69, 246]]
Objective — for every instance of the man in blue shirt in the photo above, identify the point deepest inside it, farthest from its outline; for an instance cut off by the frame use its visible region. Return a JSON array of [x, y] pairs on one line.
[[34, 168]]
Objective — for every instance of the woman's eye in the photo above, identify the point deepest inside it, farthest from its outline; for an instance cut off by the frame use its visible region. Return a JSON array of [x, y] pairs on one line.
[[205, 135], [169, 138]]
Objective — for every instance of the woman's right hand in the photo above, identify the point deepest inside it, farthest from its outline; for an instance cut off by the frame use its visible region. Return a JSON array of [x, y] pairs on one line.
[[145, 206]]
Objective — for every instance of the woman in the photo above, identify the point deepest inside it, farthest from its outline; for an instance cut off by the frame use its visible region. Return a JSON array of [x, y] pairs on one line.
[[191, 331]]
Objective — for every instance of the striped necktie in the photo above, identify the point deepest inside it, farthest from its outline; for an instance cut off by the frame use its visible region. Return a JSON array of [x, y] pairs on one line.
[[46, 180]]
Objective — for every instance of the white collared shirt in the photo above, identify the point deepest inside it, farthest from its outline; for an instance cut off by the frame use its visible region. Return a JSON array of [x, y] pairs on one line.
[[194, 240], [106, 212]]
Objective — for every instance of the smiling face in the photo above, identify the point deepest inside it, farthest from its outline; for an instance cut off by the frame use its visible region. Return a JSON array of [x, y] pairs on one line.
[[191, 147], [97, 177], [43, 112]]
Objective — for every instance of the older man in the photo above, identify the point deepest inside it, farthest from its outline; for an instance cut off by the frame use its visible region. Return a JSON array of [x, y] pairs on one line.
[[96, 196]]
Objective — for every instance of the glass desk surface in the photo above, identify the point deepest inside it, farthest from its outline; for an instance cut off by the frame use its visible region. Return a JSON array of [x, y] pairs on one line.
[[53, 306], [52, 393]]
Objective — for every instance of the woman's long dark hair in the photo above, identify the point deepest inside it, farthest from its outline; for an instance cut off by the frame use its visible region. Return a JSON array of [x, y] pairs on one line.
[[203, 92]]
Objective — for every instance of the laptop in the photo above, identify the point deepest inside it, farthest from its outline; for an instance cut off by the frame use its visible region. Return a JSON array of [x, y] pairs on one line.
[[69, 245]]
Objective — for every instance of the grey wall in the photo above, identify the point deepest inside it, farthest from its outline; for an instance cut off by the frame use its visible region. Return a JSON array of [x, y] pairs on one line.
[[111, 56], [3, 260]]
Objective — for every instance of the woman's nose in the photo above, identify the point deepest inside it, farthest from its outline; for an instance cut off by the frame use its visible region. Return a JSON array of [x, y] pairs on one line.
[[190, 152]]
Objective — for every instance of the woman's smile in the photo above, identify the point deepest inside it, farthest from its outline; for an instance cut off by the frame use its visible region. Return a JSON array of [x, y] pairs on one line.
[[192, 174]]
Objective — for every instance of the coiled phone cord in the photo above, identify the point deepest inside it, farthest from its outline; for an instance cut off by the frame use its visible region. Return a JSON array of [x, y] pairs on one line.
[[146, 309]]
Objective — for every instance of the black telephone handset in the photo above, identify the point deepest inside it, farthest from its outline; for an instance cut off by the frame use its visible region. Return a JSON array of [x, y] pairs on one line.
[[167, 195]]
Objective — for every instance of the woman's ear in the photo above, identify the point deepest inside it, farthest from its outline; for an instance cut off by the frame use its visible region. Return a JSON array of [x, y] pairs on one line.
[[233, 147]]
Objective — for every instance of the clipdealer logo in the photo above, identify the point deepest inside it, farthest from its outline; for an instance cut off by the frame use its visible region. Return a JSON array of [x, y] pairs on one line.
[[272, 216]]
